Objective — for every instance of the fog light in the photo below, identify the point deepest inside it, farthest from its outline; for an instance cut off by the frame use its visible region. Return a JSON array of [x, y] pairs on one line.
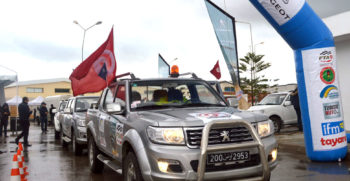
[[172, 166], [163, 166], [274, 154]]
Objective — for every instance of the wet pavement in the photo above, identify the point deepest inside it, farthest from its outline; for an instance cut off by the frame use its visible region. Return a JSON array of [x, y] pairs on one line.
[[47, 160]]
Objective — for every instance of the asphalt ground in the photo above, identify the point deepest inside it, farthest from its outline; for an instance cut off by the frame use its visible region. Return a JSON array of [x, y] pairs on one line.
[[47, 160]]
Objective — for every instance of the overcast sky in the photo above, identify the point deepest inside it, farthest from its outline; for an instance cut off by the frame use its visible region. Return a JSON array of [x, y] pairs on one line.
[[39, 39]]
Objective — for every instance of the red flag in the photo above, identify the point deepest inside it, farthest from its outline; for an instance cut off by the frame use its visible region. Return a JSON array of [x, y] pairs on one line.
[[97, 71], [216, 70]]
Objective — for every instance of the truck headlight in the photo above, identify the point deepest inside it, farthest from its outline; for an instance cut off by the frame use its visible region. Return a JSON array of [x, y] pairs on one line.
[[265, 128], [81, 122], [166, 135]]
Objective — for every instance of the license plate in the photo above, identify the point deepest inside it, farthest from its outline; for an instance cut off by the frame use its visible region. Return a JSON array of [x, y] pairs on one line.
[[227, 157]]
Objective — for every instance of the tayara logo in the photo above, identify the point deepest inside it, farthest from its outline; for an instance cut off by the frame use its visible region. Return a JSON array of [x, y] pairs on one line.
[[326, 57], [330, 92], [333, 141]]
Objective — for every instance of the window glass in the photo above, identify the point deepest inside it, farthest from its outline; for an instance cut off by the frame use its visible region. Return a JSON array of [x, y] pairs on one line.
[[180, 93], [61, 90], [34, 90], [273, 99], [63, 105], [83, 104], [108, 99]]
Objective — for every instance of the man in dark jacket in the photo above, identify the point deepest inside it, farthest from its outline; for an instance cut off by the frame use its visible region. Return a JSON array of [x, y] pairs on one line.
[[43, 117], [5, 113], [52, 114], [24, 113], [294, 98]]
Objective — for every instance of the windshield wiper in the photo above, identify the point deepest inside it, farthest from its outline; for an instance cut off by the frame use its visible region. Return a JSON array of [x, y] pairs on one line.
[[202, 105], [154, 106]]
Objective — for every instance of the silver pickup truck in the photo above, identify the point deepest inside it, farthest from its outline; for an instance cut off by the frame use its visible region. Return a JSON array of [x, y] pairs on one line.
[[177, 129], [72, 122]]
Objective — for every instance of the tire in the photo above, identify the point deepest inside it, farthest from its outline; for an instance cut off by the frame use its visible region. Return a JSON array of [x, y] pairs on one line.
[[277, 123], [57, 135], [76, 147], [96, 166], [63, 143], [131, 169]]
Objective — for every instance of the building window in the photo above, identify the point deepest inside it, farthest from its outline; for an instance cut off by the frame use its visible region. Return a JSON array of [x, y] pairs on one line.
[[61, 90], [229, 89], [35, 90]]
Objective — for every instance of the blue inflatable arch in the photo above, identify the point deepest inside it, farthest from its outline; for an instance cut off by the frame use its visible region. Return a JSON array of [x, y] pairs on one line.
[[315, 61]]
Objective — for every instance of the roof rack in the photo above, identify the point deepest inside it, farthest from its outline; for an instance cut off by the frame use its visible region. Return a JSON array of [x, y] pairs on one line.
[[190, 73], [126, 74]]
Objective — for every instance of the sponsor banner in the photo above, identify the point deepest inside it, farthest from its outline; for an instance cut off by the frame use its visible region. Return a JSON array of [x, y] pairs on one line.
[[282, 10], [322, 96], [331, 110], [224, 27]]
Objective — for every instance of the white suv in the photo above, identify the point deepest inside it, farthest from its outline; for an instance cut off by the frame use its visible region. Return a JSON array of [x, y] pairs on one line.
[[278, 108]]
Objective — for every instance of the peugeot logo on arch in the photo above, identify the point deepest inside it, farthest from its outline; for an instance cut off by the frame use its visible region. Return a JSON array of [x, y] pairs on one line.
[[225, 136]]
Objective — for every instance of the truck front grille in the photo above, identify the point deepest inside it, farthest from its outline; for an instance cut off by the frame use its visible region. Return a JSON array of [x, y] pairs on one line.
[[236, 135]]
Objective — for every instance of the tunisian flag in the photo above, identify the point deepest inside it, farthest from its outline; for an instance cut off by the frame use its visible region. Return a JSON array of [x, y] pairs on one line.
[[216, 70], [97, 71]]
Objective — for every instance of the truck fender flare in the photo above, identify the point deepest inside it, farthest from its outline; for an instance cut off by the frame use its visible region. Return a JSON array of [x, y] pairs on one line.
[[134, 139], [89, 129]]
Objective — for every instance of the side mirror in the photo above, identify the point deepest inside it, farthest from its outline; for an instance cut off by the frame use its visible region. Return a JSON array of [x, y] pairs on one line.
[[287, 103], [67, 111], [114, 108], [233, 102], [54, 111], [93, 106]]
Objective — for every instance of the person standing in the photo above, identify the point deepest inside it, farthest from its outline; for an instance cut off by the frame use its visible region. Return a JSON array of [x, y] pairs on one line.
[[24, 113], [5, 113], [52, 115], [294, 98], [43, 117], [34, 114]]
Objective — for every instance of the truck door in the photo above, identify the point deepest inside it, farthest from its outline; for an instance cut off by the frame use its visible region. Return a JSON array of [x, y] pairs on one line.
[[290, 114], [66, 116], [116, 124], [103, 117]]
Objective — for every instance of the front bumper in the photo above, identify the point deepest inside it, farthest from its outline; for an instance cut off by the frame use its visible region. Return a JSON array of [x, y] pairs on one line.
[[81, 135], [166, 152]]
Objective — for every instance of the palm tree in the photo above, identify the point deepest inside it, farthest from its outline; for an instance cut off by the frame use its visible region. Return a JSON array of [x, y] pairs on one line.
[[253, 64]]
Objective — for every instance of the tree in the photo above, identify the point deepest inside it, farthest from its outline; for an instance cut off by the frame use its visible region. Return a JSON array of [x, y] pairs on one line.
[[253, 64]]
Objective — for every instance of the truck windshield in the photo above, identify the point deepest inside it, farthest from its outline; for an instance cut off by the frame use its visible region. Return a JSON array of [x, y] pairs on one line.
[[172, 93], [83, 104], [273, 99]]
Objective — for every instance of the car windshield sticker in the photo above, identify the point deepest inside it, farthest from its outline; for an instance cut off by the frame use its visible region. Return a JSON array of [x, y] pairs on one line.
[[101, 130]]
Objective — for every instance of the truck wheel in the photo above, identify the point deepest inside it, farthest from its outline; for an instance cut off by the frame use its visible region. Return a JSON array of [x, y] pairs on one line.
[[77, 148], [277, 123], [131, 169], [96, 166], [63, 143], [57, 135]]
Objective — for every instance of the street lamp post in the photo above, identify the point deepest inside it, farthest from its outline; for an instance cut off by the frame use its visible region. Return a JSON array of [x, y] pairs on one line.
[[85, 29]]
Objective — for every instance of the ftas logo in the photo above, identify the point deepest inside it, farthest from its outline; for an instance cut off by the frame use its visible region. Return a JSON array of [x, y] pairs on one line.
[[326, 57], [330, 92], [332, 128]]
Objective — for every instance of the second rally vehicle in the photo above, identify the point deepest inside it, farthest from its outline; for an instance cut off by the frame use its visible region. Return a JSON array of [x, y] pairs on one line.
[[177, 129]]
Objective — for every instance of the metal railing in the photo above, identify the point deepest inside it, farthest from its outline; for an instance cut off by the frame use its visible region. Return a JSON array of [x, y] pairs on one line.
[[213, 148]]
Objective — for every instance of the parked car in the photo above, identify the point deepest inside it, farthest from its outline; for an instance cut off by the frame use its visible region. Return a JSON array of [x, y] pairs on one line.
[[73, 126], [59, 115], [177, 129], [278, 108]]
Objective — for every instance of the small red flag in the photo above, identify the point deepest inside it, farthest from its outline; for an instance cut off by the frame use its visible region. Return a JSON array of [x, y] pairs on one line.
[[97, 71], [216, 71]]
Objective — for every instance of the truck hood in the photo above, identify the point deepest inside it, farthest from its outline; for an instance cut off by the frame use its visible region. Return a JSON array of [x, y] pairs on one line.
[[190, 117], [262, 107]]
